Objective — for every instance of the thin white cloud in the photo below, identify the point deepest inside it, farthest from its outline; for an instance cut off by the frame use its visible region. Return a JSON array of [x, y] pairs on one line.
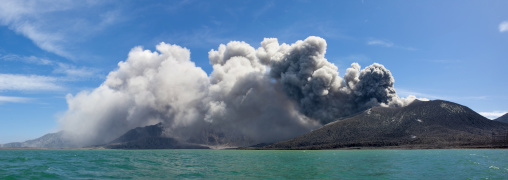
[[490, 115], [73, 71], [406, 93], [493, 114], [387, 44], [503, 26], [26, 59], [14, 99], [473, 97], [380, 43], [70, 71], [175, 6], [15, 82], [263, 10], [446, 61], [49, 25]]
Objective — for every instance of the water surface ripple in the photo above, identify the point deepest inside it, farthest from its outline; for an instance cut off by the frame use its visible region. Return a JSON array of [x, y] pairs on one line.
[[243, 164]]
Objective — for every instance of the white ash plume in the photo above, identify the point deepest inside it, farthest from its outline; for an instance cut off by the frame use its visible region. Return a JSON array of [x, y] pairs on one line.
[[272, 93]]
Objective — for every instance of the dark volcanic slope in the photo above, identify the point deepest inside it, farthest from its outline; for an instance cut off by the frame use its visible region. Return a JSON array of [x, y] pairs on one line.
[[429, 124], [149, 137], [503, 118]]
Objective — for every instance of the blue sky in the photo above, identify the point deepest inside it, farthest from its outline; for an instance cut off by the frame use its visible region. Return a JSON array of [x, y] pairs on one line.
[[452, 50]]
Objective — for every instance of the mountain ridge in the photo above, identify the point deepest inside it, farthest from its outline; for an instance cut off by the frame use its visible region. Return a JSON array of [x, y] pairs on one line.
[[50, 140], [422, 124], [148, 137], [503, 118]]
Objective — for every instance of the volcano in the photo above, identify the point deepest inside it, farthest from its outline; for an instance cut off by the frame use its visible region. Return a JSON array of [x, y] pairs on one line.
[[422, 124], [149, 137]]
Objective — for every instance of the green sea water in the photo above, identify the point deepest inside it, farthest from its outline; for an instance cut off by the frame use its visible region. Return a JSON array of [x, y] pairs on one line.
[[243, 164]]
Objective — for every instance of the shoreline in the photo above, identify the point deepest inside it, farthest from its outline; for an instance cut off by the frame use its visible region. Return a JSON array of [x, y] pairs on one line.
[[264, 149], [386, 148]]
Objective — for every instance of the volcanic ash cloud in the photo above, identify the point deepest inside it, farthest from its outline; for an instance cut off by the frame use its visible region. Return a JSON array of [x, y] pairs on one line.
[[272, 93]]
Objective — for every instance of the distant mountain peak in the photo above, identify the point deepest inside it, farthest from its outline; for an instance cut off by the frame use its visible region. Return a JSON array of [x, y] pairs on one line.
[[149, 137], [503, 118], [156, 130], [50, 140]]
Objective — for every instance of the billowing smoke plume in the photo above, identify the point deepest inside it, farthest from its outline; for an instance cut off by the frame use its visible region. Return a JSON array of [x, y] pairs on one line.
[[314, 83], [252, 96], [149, 87]]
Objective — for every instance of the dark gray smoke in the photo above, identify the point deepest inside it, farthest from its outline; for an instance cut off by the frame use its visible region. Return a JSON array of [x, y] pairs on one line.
[[252, 96], [314, 83]]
